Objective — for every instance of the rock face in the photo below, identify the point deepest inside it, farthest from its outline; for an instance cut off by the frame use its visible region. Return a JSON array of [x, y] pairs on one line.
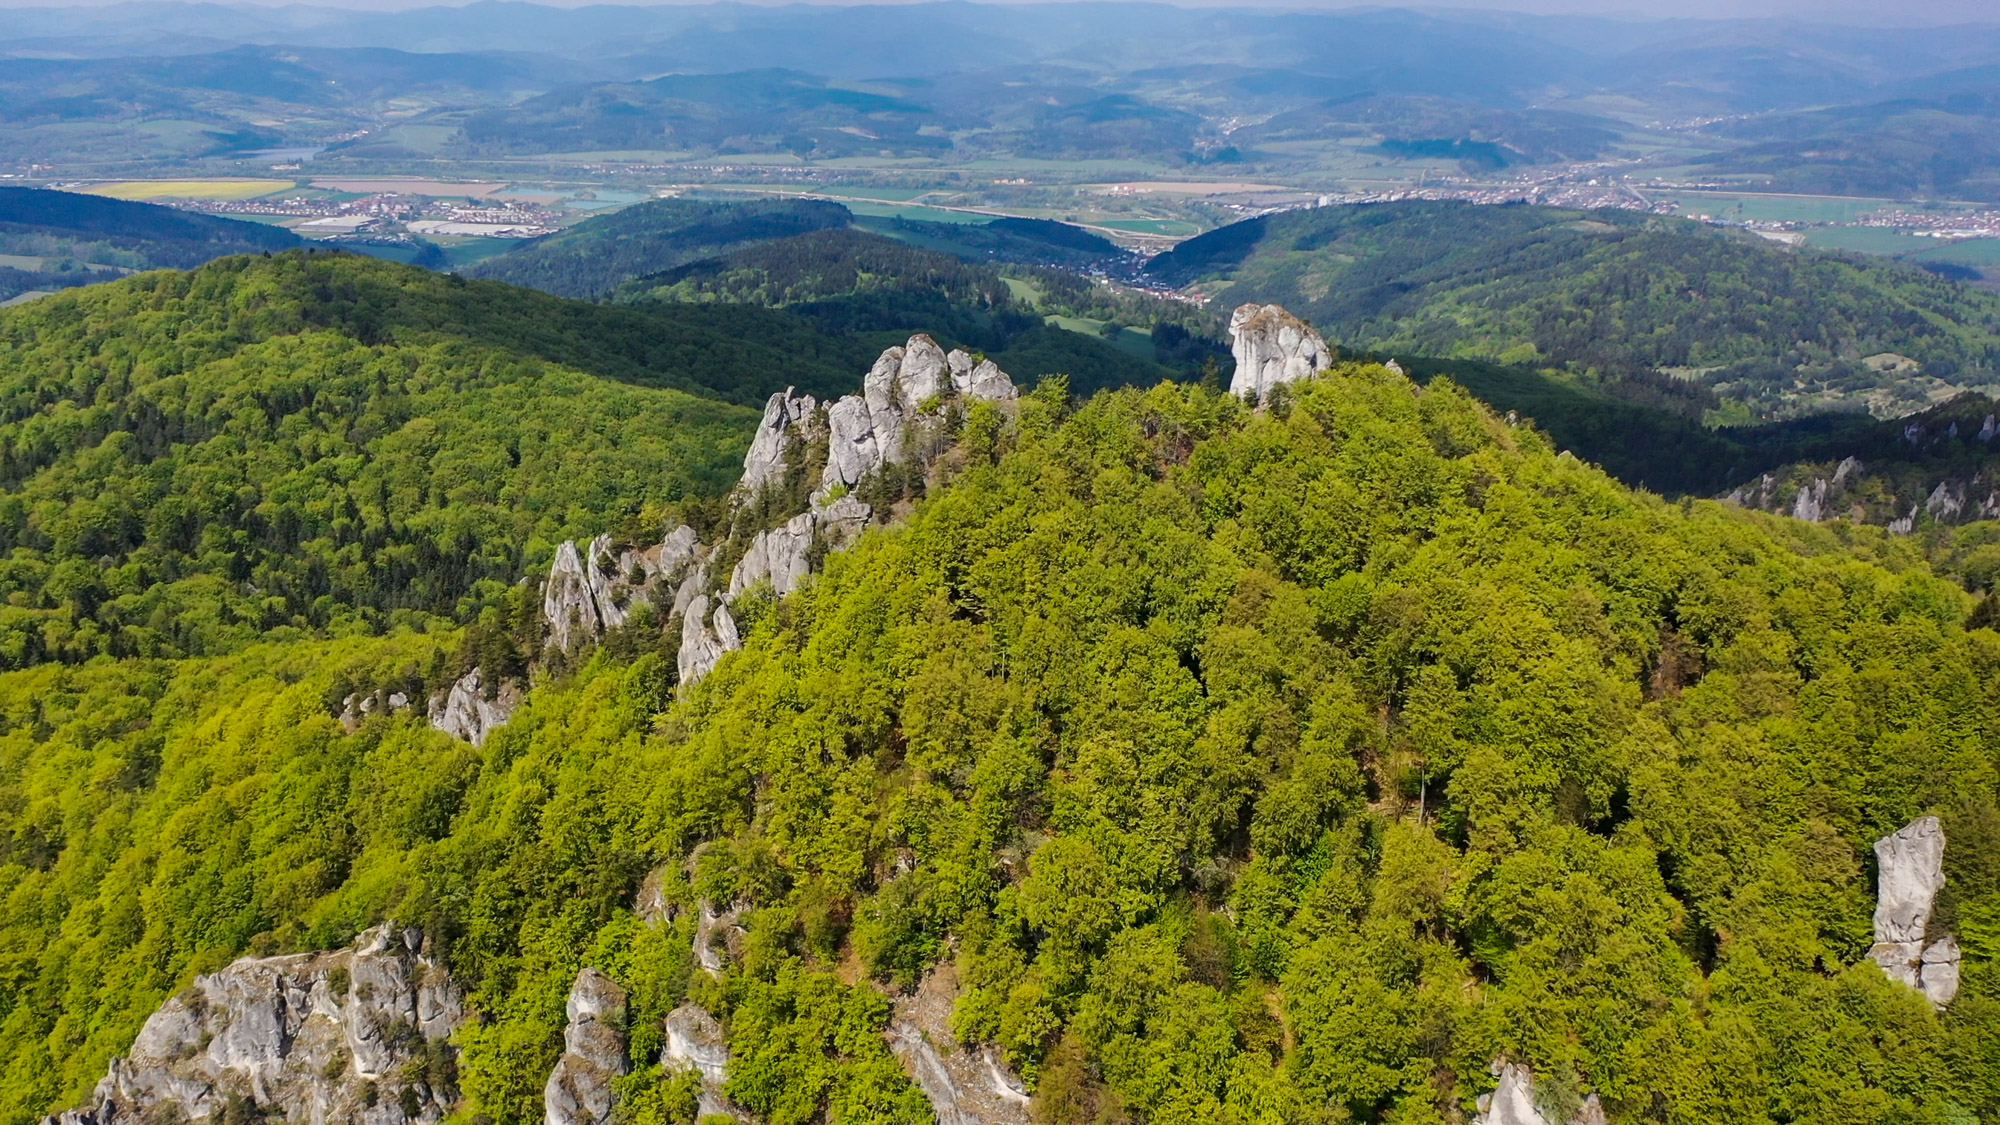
[[695, 1042], [1272, 346], [783, 554], [313, 1038], [895, 417], [464, 712], [890, 421], [1911, 864], [589, 590], [786, 417], [965, 1086], [705, 636], [580, 1090], [1513, 1101]]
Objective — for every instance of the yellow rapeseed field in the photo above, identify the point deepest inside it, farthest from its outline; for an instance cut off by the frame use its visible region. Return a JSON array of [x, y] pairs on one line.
[[189, 189]]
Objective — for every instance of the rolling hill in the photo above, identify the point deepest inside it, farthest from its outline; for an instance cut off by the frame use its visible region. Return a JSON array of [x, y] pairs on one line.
[[1614, 294], [57, 239]]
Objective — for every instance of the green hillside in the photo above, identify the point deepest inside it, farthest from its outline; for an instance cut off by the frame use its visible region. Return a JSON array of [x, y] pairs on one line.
[[321, 442], [1286, 767], [592, 258], [58, 239], [1777, 330]]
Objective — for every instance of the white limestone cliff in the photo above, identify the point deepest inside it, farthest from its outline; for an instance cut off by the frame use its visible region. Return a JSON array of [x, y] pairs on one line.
[[580, 1089], [1271, 347], [1910, 861], [1514, 1101], [335, 1038], [786, 418], [782, 555], [705, 636], [965, 1085]]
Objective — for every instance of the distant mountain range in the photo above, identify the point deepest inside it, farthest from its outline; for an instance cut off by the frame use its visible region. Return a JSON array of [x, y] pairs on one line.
[[1802, 105]]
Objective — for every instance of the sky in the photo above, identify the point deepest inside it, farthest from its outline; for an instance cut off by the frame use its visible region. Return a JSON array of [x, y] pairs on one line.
[[1897, 13]]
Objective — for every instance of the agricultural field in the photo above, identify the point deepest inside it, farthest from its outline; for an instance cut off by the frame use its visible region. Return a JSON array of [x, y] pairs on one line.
[[223, 189]]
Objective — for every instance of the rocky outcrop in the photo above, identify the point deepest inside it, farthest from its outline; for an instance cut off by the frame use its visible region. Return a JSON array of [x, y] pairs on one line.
[[715, 935], [783, 555], [899, 414], [1910, 862], [359, 705], [464, 711], [966, 1086], [1272, 346], [694, 1041], [590, 590], [337, 1038], [1514, 1101], [899, 406], [705, 636], [787, 418], [580, 1089]]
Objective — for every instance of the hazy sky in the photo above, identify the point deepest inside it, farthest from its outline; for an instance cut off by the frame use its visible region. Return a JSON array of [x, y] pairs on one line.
[[1889, 12]]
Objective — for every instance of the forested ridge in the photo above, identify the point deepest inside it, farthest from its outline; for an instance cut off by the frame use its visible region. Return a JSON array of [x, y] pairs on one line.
[[1286, 766], [1778, 331]]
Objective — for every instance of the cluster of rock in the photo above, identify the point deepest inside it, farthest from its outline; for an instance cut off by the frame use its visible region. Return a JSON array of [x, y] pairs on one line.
[[1911, 872], [465, 710], [1817, 495], [316, 1038], [897, 418], [1896, 499], [1515, 1101], [1271, 347]]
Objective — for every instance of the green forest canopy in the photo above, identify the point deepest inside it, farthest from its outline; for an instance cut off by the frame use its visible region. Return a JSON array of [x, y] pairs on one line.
[[1276, 767]]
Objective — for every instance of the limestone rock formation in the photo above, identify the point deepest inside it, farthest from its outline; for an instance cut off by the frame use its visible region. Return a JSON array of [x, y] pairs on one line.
[[1911, 865], [786, 417], [695, 1041], [1272, 346], [896, 404], [783, 554], [1513, 1101], [337, 1038], [966, 1086], [580, 1090], [589, 590], [714, 936], [359, 705], [705, 636], [465, 712]]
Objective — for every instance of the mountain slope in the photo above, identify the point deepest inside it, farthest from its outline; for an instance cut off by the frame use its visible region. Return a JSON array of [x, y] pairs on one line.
[[1289, 766], [1778, 331]]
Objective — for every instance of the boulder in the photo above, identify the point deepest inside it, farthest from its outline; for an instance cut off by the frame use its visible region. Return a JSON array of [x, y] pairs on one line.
[[336, 1038], [464, 711], [1272, 346], [1910, 864], [580, 1090], [694, 1041]]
